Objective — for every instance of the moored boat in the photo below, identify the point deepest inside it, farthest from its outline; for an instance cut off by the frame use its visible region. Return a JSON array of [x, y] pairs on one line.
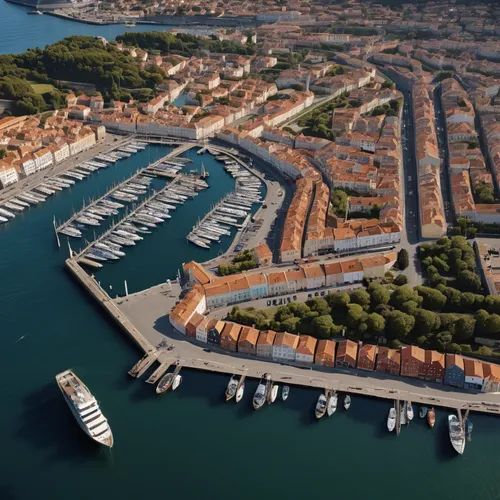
[[260, 395], [320, 406], [347, 402], [457, 435], [423, 411], [85, 408], [240, 392], [391, 419], [177, 382], [231, 388], [274, 393], [285, 392], [165, 383], [409, 411], [332, 404], [431, 417]]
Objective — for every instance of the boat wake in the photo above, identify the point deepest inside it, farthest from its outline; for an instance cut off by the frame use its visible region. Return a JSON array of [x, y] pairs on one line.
[[19, 339]]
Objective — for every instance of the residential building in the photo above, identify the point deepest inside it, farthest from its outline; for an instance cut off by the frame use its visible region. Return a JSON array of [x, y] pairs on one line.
[[366, 357], [214, 334], [434, 367], [412, 359], [285, 346], [491, 373], [474, 375], [247, 342], [306, 349], [325, 353], [347, 353], [455, 370], [388, 361], [265, 344], [229, 337]]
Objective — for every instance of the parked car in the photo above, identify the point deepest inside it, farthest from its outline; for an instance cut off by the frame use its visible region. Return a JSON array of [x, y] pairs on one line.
[[295, 297], [268, 303], [274, 302], [288, 299], [310, 296], [322, 293], [316, 294]]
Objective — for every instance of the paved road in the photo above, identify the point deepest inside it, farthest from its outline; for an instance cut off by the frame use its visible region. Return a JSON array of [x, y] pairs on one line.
[[148, 313], [112, 141]]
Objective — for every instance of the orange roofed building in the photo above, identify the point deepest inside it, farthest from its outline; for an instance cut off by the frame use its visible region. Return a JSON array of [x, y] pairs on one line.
[[247, 343], [306, 349], [285, 346], [193, 302], [325, 353], [366, 357], [229, 337], [347, 353], [193, 324], [491, 374], [412, 359], [388, 361], [265, 344], [434, 367], [263, 255]]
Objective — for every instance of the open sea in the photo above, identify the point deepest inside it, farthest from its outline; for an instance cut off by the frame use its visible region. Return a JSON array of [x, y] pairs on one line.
[[189, 444]]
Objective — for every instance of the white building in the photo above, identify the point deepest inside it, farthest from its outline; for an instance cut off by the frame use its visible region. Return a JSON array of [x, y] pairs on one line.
[[285, 346], [8, 176]]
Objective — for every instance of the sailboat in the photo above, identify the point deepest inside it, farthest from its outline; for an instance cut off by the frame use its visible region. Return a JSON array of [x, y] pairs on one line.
[[204, 173]]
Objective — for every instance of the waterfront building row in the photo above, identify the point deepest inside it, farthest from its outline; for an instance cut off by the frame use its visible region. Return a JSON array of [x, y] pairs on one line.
[[409, 361]]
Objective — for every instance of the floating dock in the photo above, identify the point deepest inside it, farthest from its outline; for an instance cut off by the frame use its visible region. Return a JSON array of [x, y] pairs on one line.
[[159, 372]]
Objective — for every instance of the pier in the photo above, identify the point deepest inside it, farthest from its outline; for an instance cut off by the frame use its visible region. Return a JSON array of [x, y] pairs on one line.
[[397, 405], [172, 154], [159, 372]]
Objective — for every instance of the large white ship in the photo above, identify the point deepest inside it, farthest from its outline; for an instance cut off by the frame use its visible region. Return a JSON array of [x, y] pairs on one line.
[[85, 408]]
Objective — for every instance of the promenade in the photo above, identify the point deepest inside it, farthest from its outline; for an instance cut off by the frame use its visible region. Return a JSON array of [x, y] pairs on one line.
[[148, 312]]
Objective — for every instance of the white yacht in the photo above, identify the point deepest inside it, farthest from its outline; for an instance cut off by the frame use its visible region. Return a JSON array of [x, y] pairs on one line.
[[85, 408], [332, 404], [260, 395], [177, 382], [240, 392], [274, 393], [391, 419], [457, 434]]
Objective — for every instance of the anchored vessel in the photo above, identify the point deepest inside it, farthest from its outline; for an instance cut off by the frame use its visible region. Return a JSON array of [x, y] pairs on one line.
[[347, 402], [332, 404], [240, 392], [320, 406], [260, 395], [431, 417], [391, 419], [85, 408], [457, 435], [231, 387], [285, 392]]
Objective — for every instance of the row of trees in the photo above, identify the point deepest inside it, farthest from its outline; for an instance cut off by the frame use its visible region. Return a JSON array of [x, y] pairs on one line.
[[400, 313]]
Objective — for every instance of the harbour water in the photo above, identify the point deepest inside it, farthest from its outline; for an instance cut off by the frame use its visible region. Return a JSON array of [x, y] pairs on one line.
[[188, 444]]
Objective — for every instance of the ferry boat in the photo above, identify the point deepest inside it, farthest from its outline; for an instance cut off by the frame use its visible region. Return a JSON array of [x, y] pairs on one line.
[[431, 417], [285, 392], [391, 419], [177, 382], [165, 383], [457, 435], [231, 387], [423, 411], [320, 407], [240, 392], [85, 408], [259, 397], [332, 404], [347, 402]]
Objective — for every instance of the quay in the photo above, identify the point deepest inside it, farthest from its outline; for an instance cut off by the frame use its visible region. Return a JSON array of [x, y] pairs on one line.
[[158, 373], [139, 317]]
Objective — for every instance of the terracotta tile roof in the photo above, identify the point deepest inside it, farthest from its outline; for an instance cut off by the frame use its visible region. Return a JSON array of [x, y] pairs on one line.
[[284, 339], [307, 345]]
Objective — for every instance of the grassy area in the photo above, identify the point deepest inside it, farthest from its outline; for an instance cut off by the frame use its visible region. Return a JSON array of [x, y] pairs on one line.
[[41, 88]]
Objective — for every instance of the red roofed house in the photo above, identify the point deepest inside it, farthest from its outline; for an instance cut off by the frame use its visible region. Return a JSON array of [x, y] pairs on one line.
[[412, 359], [434, 367], [325, 353], [347, 351], [247, 343], [388, 361], [229, 336], [366, 357]]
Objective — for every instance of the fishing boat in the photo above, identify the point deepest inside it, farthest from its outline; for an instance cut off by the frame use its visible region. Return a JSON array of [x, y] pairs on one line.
[[347, 402], [165, 383], [240, 392], [423, 411], [320, 406], [457, 435], [177, 382], [85, 408], [409, 411], [231, 387], [274, 393], [431, 417], [391, 419], [260, 395], [332, 404], [285, 392], [468, 427]]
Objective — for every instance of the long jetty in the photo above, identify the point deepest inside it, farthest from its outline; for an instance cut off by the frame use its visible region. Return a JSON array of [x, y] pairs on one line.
[[130, 214], [172, 154]]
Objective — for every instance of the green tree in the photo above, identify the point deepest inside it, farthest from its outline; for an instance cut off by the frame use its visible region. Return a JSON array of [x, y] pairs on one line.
[[443, 339], [464, 328], [379, 295], [355, 316], [454, 348], [322, 326], [403, 259], [338, 299], [361, 297], [400, 279], [320, 305], [399, 324], [426, 322], [469, 282], [492, 304], [432, 299], [404, 294], [375, 323], [3, 153]]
